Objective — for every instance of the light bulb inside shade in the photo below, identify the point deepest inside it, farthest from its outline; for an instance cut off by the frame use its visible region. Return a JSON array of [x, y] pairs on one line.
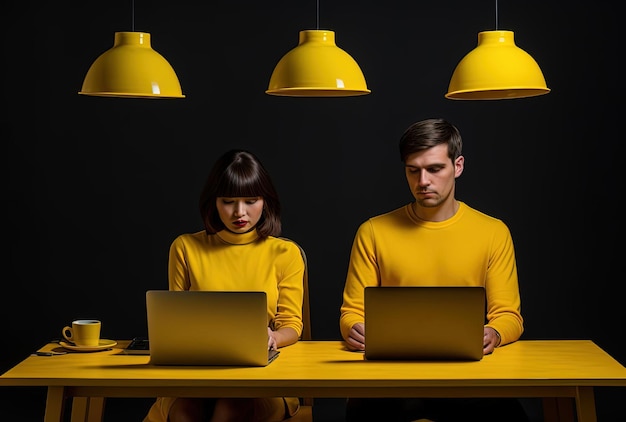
[[317, 68], [496, 69], [131, 69]]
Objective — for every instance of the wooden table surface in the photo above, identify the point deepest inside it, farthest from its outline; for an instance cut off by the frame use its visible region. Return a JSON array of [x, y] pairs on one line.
[[555, 369]]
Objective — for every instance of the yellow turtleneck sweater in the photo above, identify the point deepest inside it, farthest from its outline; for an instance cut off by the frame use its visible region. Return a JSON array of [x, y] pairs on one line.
[[230, 261]]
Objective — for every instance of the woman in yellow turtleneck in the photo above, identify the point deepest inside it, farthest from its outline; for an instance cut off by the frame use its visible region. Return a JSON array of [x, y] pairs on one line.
[[239, 250]]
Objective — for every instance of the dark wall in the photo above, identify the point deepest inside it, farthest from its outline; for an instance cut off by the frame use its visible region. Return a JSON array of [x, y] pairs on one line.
[[97, 188]]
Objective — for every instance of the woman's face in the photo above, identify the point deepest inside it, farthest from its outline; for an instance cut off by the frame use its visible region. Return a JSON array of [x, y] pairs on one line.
[[240, 214]]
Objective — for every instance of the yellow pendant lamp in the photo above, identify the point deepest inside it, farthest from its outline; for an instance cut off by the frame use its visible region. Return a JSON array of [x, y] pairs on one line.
[[496, 69], [317, 67], [131, 69]]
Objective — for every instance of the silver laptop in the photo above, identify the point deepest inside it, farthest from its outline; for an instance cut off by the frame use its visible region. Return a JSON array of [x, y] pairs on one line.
[[424, 322], [208, 328]]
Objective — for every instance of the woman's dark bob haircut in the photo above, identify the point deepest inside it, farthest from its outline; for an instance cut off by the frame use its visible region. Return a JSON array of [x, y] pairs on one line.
[[239, 173]]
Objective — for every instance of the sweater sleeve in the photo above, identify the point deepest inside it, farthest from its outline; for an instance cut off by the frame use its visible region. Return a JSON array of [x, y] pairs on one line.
[[503, 299], [290, 289], [178, 274], [362, 272]]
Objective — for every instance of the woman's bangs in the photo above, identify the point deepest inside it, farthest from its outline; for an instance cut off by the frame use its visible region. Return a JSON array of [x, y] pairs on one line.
[[237, 186]]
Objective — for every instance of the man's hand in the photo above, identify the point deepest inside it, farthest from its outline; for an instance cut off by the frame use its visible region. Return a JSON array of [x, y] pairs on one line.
[[356, 339], [491, 340]]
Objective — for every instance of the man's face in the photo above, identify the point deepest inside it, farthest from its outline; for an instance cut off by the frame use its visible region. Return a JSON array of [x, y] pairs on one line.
[[431, 175]]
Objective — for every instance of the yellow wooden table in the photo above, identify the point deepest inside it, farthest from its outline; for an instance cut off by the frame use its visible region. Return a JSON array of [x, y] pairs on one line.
[[562, 372]]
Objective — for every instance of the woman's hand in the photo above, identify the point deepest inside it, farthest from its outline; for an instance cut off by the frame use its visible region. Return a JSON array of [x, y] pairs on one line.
[[271, 340]]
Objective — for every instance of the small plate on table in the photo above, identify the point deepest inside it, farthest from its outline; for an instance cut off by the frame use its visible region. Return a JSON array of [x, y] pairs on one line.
[[103, 345]]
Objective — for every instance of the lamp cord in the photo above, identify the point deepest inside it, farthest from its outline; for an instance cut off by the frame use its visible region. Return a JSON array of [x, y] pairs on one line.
[[317, 17], [496, 15], [132, 15]]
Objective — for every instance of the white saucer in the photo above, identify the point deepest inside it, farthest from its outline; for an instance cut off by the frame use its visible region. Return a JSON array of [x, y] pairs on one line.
[[103, 345]]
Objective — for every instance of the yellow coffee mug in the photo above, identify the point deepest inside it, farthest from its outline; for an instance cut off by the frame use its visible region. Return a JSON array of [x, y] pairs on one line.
[[83, 332]]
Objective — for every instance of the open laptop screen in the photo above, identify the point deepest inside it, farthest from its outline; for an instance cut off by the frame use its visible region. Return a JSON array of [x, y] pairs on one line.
[[208, 328], [424, 322]]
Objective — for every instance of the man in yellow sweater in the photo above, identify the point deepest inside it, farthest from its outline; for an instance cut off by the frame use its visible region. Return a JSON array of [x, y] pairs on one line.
[[435, 240]]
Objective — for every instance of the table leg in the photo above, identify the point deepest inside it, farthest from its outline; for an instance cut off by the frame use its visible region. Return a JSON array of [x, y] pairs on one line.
[[55, 401], [87, 409], [558, 409], [96, 409], [585, 404], [79, 409]]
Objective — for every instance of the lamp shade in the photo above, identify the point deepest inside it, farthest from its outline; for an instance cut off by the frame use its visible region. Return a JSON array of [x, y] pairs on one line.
[[496, 69], [131, 69], [316, 67]]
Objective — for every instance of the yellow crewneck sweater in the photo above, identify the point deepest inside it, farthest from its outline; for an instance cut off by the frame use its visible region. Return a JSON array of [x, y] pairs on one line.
[[468, 249]]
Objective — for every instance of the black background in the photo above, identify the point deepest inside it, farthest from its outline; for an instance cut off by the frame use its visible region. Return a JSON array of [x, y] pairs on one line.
[[97, 188]]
